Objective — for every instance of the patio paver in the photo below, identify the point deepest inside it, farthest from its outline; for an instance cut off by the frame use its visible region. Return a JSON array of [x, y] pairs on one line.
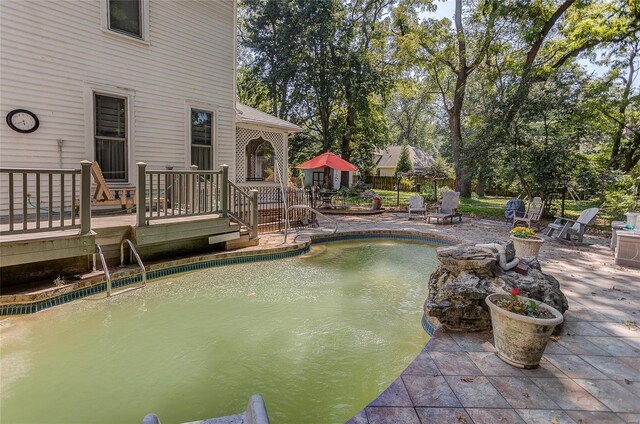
[[590, 375]]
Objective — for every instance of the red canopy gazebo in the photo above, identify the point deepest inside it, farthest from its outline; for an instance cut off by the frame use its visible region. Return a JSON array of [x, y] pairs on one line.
[[326, 161]]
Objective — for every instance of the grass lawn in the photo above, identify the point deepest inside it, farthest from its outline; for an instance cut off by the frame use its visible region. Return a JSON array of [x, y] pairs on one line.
[[493, 207]]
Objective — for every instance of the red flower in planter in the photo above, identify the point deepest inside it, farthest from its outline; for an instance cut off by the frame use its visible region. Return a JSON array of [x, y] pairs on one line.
[[516, 305]]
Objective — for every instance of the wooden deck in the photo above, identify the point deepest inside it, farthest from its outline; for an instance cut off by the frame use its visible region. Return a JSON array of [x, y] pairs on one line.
[[160, 238]]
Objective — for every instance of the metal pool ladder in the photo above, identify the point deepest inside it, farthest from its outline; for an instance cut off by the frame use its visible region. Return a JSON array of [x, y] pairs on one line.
[[132, 252], [104, 267], [286, 228]]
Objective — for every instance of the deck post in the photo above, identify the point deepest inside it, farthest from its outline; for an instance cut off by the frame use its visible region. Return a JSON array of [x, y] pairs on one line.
[[85, 197], [141, 190], [224, 190], [254, 214], [191, 192]]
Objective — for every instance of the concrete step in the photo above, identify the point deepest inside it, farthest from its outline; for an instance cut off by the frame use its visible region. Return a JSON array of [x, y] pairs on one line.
[[243, 241]]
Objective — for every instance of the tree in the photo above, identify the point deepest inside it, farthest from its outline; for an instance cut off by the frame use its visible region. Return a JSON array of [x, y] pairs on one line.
[[621, 105], [324, 65], [452, 54], [404, 160], [411, 113]]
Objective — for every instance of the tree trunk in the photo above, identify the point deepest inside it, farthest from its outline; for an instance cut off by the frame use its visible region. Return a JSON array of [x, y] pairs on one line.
[[616, 155], [463, 185], [480, 186]]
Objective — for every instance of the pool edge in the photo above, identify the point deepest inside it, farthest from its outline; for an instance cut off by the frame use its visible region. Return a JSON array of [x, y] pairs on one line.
[[16, 305]]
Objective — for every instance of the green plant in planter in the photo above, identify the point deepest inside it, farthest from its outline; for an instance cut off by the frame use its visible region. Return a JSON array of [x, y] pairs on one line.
[[517, 306], [523, 232]]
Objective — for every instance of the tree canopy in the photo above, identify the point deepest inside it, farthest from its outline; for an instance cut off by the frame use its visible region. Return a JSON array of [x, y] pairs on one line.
[[505, 91]]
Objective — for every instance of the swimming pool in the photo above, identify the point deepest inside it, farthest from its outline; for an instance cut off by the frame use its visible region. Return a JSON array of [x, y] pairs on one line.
[[318, 336]]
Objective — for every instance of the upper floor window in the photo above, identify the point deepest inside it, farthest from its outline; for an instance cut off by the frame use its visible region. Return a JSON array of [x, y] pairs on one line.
[[201, 139], [125, 16]]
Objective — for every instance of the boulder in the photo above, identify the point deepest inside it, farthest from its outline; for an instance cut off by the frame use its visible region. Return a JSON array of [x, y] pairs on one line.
[[468, 274]]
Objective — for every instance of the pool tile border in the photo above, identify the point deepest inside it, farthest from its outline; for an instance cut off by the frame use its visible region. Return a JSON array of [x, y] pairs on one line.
[[31, 307]]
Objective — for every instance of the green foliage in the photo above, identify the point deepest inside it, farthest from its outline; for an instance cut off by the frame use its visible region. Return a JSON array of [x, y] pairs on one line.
[[404, 160], [621, 195], [408, 183], [518, 306], [324, 65], [361, 75], [523, 232], [439, 169]]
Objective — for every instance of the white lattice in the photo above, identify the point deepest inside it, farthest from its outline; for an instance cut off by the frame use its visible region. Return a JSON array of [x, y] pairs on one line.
[[244, 137]]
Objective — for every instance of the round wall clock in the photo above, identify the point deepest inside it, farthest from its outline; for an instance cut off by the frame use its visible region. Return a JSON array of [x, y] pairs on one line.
[[22, 121]]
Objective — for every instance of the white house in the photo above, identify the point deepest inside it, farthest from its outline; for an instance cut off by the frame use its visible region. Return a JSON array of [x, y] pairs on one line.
[[122, 81], [386, 160]]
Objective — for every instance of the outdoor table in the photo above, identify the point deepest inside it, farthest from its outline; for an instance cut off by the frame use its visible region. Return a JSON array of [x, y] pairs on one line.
[[626, 245], [326, 199]]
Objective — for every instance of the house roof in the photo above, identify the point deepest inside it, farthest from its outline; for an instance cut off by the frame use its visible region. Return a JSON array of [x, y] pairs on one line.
[[330, 160], [388, 157], [248, 115]]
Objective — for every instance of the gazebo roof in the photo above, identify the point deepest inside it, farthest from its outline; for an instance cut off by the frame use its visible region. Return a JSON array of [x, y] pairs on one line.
[[328, 160], [248, 115]]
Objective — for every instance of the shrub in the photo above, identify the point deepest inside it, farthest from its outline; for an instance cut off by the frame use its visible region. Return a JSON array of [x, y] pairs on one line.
[[407, 183], [523, 232]]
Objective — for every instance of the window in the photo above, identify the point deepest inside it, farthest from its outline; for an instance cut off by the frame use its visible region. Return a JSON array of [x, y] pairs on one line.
[[201, 139], [260, 160], [125, 16], [111, 136]]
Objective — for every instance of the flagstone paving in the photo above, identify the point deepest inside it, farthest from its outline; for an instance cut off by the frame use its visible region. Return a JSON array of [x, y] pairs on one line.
[[590, 374]]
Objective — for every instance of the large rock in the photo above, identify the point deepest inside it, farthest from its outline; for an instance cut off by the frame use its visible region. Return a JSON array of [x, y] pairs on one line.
[[468, 274]]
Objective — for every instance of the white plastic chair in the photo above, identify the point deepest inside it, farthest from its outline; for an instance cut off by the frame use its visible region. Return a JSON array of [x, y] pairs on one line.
[[416, 204]]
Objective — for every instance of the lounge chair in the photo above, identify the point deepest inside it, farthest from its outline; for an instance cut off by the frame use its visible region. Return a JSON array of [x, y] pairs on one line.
[[533, 214], [448, 208], [416, 204], [110, 196], [569, 227]]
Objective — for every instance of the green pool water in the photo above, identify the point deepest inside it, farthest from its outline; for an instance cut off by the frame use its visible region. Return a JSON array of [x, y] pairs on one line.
[[318, 336]]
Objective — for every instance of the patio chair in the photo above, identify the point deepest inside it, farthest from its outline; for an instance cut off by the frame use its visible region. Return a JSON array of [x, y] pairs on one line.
[[533, 214], [416, 204], [514, 208], [448, 208], [110, 196], [569, 227]]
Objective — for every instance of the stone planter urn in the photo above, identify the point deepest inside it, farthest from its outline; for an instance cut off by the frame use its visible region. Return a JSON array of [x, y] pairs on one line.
[[527, 247], [520, 340]]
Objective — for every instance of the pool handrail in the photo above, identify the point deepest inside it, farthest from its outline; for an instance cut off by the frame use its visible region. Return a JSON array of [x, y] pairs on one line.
[[134, 252], [286, 228], [104, 268]]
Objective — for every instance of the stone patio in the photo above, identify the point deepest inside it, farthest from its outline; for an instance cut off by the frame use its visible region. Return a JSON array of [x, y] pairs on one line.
[[590, 374]]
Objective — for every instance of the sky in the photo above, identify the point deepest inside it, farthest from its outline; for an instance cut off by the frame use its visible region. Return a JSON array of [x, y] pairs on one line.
[[446, 9]]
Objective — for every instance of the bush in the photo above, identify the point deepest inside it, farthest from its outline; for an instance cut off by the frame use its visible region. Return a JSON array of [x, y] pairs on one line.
[[407, 183], [523, 232]]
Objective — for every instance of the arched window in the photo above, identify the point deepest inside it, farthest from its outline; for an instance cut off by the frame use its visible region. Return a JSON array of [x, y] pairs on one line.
[[260, 160]]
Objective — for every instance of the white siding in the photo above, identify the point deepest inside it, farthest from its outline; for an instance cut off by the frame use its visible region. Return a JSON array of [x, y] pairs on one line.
[[53, 52], [386, 172]]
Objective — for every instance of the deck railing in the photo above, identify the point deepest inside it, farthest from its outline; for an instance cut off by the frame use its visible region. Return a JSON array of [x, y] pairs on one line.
[[46, 199], [243, 208], [193, 192], [60, 199], [175, 193]]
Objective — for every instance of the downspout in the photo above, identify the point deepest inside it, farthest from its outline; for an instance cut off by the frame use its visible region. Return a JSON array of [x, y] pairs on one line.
[[503, 255]]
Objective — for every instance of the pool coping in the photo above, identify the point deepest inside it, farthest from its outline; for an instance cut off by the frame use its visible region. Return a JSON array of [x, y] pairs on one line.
[[24, 304]]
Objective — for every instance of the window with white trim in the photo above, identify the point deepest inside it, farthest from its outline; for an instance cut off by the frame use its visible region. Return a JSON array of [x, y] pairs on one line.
[[126, 17], [110, 136], [202, 139]]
